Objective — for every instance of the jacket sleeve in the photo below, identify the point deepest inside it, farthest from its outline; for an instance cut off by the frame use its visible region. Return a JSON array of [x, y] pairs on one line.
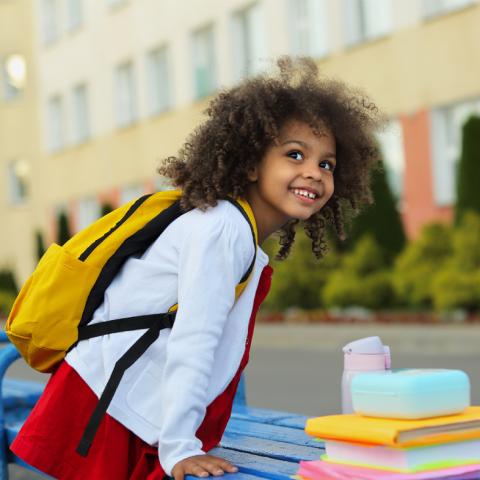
[[213, 257]]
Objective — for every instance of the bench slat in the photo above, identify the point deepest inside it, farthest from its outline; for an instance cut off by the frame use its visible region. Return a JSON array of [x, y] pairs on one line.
[[272, 432], [231, 476], [264, 467], [273, 417], [293, 422], [271, 448], [20, 392]]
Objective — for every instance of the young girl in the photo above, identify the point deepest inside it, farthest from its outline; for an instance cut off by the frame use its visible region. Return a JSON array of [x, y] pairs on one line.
[[295, 148]]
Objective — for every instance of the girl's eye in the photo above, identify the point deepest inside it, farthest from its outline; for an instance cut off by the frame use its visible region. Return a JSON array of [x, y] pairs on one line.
[[327, 165], [296, 155]]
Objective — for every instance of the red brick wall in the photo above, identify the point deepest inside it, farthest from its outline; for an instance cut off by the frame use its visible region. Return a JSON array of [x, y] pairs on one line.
[[418, 200]]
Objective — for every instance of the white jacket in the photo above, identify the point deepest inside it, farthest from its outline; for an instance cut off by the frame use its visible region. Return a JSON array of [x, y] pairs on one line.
[[197, 261]]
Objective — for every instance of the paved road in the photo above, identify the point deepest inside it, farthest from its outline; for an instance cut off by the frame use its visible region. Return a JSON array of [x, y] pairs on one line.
[[309, 381], [298, 368]]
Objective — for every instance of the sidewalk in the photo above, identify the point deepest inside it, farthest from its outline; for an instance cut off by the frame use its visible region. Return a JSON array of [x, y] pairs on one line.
[[419, 339]]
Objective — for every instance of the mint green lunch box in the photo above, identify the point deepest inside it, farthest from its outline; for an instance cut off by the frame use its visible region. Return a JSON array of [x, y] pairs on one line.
[[411, 393]]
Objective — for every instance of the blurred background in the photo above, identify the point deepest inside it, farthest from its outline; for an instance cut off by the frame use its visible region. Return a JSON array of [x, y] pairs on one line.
[[93, 93]]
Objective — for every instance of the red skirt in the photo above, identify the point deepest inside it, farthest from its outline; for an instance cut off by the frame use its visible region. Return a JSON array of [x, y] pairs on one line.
[[50, 435]]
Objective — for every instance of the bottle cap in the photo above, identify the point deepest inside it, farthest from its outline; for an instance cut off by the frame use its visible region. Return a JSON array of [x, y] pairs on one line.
[[370, 345], [365, 361]]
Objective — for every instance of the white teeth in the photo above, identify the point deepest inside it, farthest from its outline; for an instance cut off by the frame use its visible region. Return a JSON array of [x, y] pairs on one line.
[[304, 193]]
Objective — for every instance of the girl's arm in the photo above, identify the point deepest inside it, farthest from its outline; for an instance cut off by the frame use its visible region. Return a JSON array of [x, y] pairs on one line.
[[212, 259]]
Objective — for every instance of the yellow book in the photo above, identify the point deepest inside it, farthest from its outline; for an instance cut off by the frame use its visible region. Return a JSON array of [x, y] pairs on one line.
[[397, 433]]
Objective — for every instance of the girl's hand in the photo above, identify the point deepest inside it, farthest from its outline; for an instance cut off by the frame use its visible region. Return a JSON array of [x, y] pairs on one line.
[[202, 466]]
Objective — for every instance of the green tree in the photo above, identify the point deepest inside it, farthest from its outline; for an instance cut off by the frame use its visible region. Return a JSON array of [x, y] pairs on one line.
[[8, 291], [39, 244], [381, 220], [7, 281], [418, 264], [106, 209], [468, 173], [63, 230]]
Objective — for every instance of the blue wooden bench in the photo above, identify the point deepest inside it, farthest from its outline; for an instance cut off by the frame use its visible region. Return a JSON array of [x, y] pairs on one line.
[[262, 443], [18, 398]]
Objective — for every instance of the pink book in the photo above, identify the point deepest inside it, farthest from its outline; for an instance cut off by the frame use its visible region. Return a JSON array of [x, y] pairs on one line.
[[404, 460], [320, 470]]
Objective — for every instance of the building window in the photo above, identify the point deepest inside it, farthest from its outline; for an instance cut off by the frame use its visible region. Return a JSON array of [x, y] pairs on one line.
[[50, 21], [433, 8], [126, 105], [14, 73], [116, 3], [249, 42], [88, 212], [366, 19], [393, 155], [204, 68], [80, 120], [308, 27], [56, 123], [446, 141], [158, 80], [18, 172], [74, 14]]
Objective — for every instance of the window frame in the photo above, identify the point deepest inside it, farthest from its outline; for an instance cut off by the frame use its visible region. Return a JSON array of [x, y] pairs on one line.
[[56, 133], [249, 41], [125, 98], [159, 95], [439, 8], [75, 16], [18, 190], [446, 146], [356, 24], [203, 90], [81, 133], [317, 36]]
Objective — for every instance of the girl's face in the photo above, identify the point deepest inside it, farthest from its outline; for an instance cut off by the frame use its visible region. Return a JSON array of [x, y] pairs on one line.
[[294, 179]]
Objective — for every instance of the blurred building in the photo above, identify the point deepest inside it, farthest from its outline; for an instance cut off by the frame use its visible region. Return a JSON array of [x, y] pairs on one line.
[[95, 92], [20, 144]]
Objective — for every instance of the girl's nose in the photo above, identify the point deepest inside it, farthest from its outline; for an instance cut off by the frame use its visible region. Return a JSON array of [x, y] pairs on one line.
[[314, 172]]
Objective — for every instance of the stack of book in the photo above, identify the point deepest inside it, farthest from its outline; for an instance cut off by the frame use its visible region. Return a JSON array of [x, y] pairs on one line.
[[368, 448]]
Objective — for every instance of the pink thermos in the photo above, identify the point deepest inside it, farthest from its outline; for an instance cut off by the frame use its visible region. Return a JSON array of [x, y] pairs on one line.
[[364, 355]]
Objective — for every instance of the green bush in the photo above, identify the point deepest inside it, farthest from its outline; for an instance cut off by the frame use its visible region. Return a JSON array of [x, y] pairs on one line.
[[7, 281], [299, 280], [422, 259], [39, 244], [457, 284], [63, 228], [362, 279], [466, 243], [106, 208], [6, 302], [453, 289]]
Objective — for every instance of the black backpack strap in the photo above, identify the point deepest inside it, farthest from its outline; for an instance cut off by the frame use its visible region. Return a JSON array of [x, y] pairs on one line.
[[127, 324], [122, 364]]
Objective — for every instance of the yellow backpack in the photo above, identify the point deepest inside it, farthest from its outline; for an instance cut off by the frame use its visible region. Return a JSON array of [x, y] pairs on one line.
[[55, 305]]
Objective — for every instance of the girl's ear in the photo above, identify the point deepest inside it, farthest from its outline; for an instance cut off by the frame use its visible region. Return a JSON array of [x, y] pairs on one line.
[[253, 174]]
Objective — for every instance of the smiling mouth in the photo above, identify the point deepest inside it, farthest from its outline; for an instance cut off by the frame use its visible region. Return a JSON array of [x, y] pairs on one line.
[[305, 195]]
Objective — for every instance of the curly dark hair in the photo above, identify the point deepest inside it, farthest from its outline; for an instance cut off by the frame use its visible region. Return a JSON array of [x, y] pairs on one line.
[[242, 123]]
